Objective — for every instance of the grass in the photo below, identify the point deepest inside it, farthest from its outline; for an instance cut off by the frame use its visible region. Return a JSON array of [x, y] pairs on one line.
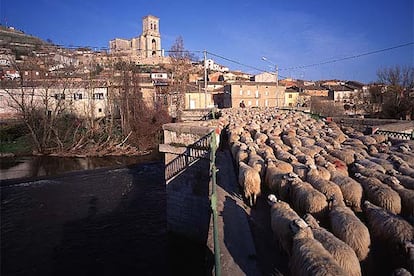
[[20, 146]]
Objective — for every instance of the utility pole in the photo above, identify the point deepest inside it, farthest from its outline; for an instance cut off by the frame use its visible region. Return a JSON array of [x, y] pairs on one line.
[[205, 78], [277, 75]]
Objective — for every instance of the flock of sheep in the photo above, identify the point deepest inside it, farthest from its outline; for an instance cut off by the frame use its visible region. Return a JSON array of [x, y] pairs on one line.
[[338, 198]]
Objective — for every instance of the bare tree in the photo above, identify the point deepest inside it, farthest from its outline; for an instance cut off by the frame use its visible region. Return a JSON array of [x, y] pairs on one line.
[[326, 107], [397, 100], [181, 67]]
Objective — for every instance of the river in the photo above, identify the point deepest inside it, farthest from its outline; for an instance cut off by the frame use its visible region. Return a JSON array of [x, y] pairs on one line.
[[38, 166], [111, 220]]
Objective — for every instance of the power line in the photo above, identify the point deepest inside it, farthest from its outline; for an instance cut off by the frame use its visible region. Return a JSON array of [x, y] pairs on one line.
[[242, 64], [350, 57]]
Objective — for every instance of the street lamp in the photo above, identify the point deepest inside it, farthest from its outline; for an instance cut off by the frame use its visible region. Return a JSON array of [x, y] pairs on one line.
[[276, 69]]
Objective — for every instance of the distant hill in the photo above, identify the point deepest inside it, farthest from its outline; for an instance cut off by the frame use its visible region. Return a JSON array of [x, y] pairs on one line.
[[20, 43]]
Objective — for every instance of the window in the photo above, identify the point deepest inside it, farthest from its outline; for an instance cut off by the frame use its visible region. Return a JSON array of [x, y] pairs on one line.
[[290, 96], [155, 27], [241, 92], [98, 96], [257, 102], [77, 96], [249, 103], [59, 96], [266, 102], [99, 110], [248, 92], [37, 73], [267, 93]]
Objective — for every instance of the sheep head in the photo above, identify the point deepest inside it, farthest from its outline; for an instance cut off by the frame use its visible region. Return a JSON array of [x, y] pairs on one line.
[[272, 199], [311, 221], [300, 229]]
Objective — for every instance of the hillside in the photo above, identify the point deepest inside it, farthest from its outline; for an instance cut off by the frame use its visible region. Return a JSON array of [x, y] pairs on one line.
[[19, 42]]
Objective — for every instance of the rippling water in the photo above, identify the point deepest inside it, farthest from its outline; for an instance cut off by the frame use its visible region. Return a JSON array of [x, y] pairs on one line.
[[35, 166], [105, 222]]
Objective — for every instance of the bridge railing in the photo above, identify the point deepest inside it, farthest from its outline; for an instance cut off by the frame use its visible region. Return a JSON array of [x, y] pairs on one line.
[[204, 148], [199, 149], [398, 135]]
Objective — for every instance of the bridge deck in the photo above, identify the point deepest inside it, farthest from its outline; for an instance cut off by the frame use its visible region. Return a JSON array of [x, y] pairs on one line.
[[238, 254]]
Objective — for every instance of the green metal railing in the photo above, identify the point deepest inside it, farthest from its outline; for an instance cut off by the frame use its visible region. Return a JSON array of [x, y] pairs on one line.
[[398, 135], [213, 173]]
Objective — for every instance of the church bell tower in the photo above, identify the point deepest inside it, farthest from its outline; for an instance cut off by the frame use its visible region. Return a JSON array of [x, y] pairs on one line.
[[151, 38]]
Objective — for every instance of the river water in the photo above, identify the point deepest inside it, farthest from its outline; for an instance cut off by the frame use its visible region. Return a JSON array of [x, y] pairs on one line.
[[37, 166], [62, 219], [97, 222]]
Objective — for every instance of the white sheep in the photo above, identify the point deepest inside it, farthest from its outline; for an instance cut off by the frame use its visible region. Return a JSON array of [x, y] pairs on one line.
[[306, 199], [309, 257], [281, 215], [349, 228], [346, 155], [392, 231], [328, 188], [406, 181], [351, 190], [256, 162], [380, 194], [275, 180], [343, 254], [249, 180], [407, 199]]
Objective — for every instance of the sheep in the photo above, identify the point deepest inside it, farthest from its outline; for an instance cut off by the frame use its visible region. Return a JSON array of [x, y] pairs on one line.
[[351, 190], [406, 181], [256, 162], [337, 167], [369, 164], [260, 138], [346, 155], [367, 140], [275, 180], [300, 169], [249, 180], [405, 169], [400, 272], [407, 199], [282, 154], [326, 187], [391, 231], [309, 257], [323, 172], [281, 215], [306, 199], [388, 166], [380, 194], [242, 155], [343, 254], [346, 226]]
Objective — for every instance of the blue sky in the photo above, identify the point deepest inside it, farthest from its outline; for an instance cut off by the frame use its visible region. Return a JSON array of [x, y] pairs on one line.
[[289, 33]]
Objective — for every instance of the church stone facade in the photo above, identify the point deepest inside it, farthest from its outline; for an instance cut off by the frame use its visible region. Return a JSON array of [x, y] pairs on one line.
[[147, 46]]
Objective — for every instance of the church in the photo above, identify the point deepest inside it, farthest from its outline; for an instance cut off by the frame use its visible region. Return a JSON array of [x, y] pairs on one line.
[[146, 47]]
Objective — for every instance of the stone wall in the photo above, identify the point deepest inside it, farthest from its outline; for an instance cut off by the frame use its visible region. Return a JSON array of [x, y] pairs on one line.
[[362, 124], [188, 204]]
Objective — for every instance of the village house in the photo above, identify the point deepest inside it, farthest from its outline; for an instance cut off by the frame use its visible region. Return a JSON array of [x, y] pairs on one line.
[[256, 94]]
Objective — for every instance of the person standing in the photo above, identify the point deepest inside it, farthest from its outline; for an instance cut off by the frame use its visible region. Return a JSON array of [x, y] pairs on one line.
[[242, 105]]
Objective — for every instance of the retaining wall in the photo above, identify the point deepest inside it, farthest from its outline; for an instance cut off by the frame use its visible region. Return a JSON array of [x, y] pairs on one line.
[[188, 204]]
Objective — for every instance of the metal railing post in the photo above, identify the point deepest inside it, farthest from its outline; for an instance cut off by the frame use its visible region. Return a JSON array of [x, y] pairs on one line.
[[213, 170]]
